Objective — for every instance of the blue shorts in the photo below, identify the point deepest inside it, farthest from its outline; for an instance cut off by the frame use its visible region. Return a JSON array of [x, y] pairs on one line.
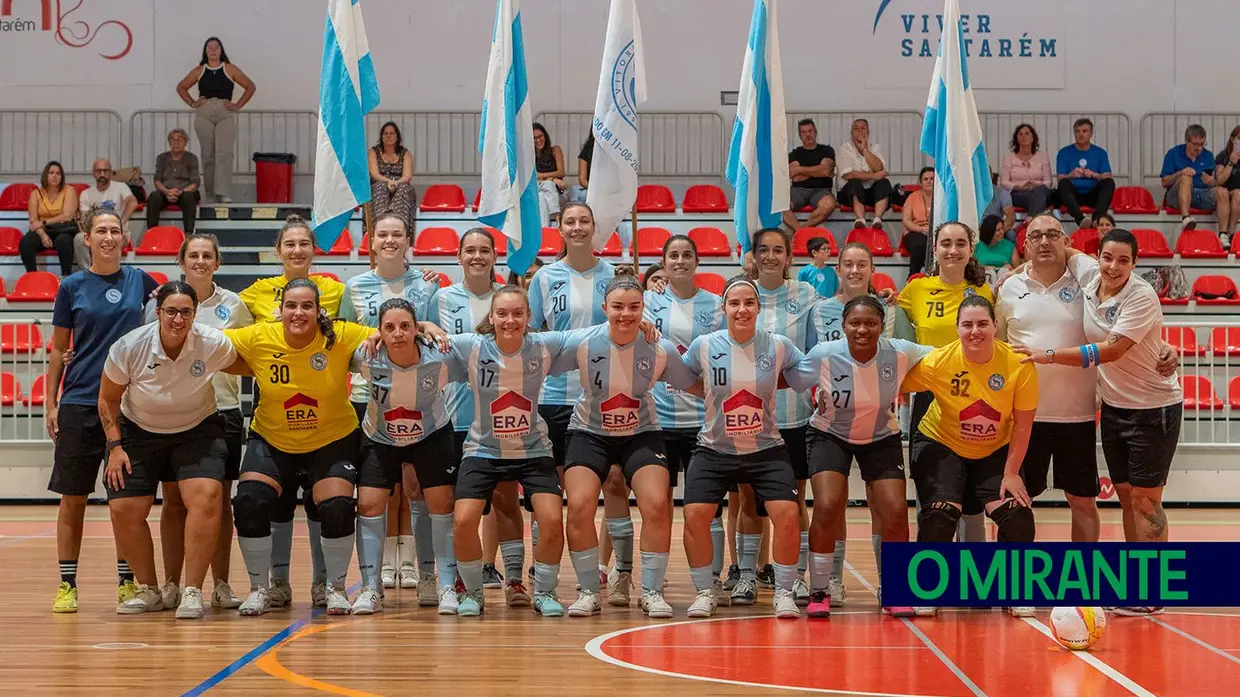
[[1203, 199]]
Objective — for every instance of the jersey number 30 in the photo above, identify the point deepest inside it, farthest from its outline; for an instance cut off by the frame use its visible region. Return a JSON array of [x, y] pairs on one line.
[[279, 375]]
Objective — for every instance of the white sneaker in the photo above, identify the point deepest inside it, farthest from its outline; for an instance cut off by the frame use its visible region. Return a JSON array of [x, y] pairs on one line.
[[407, 577], [1188, 222], [745, 592], [723, 595], [835, 589], [655, 605], [145, 599], [924, 611], [587, 604], [705, 603], [256, 603], [800, 591], [279, 594], [619, 584], [1224, 239], [190, 607], [223, 597], [387, 576], [337, 602], [428, 594], [368, 602], [785, 604], [318, 594], [1022, 611], [448, 601], [170, 595]]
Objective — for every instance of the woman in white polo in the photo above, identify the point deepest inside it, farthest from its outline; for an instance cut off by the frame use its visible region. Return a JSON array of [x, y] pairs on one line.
[[158, 410]]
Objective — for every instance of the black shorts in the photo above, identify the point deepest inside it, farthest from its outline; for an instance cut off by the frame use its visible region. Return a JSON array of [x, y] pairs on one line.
[[679, 444], [1139, 444], [917, 411], [432, 458], [798, 451], [1073, 447], [291, 470], [198, 453], [234, 438], [630, 453], [480, 475], [942, 475], [359, 408], [882, 459], [79, 450], [712, 473], [557, 417]]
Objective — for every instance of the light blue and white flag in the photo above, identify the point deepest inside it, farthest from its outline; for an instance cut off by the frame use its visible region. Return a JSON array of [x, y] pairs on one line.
[[952, 132], [348, 90], [621, 89], [758, 157], [509, 184]]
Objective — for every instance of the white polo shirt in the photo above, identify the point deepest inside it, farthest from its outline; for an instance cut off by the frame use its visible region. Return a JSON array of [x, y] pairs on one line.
[[1132, 382], [165, 395], [847, 159], [1042, 317], [224, 310]]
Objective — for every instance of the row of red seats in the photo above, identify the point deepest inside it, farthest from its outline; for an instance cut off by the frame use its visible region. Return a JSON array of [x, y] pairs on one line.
[[1199, 393], [651, 198], [1224, 341], [11, 391], [162, 240]]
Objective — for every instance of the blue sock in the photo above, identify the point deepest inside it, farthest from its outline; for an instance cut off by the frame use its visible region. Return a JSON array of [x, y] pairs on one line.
[[717, 544], [749, 544], [471, 574], [337, 553], [803, 559], [701, 576], [513, 553], [445, 553], [370, 537], [256, 551], [785, 576], [654, 570], [546, 577], [585, 563], [423, 539], [621, 532], [317, 560], [281, 550]]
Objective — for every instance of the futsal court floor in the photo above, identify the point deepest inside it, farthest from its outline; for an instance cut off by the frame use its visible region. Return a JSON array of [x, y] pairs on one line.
[[408, 650]]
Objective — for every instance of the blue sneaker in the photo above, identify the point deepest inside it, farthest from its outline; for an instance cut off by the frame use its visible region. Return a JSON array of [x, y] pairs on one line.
[[470, 605], [547, 605]]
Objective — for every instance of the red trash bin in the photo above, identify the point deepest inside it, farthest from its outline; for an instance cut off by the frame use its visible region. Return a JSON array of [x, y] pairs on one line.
[[273, 176]]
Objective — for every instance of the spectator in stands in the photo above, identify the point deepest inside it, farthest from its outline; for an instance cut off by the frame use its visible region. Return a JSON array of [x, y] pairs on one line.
[[53, 211], [1188, 177], [994, 250], [1104, 223], [1026, 171], [549, 163], [655, 278], [1227, 174], [811, 167], [585, 159], [818, 274], [391, 175], [1001, 205], [215, 115], [176, 182], [861, 164], [917, 217], [1084, 174], [105, 194]]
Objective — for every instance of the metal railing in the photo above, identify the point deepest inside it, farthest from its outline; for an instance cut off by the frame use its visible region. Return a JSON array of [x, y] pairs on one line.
[[443, 143], [671, 143], [293, 132], [1159, 132], [30, 138], [1112, 131], [898, 133]]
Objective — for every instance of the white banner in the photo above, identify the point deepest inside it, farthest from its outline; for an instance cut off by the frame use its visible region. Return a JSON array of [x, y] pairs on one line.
[[1010, 45], [76, 42]]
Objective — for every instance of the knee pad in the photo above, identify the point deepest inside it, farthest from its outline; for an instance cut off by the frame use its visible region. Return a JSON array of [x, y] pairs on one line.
[[252, 508], [285, 506], [1015, 522], [310, 507], [937, 522], [338, 515]]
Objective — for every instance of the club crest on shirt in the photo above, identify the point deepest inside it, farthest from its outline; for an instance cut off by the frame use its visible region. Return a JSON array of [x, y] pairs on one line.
[[742, 414], [113, 295], [318, 361], [979, 422], [533, 365], [792, 305], [197, 369], [428, 383], [968, 290], [511, 415], [764, 361], [619, 413], [222, 312], [644, 365], [887, 372], [995, 382], [1067, 294], [600, 286], [1111, 312], [705, 318]]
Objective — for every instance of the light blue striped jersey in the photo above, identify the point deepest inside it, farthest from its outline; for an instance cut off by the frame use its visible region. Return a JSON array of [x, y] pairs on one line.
[[681, 321], [617, 393], [364, 293], [562, 299], [506, 388], [789, 310], [829, 321], [740, 382], [405, 404], [861, 409], [457, 311]]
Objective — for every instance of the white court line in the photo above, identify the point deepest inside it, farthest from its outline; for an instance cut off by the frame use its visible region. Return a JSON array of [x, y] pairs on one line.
[[1099, 664], [1200, 642], [6, 540]]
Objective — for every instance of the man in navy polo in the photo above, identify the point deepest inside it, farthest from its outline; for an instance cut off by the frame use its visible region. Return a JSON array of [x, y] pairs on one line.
[[1188, 177], [1084, 174]]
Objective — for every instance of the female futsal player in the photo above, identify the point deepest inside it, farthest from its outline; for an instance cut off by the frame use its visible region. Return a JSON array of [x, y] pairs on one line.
[[740, 443], [93, 309], [157, 405], [968, 448]]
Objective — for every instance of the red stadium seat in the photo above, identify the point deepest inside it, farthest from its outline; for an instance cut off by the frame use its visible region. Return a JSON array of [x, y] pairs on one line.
[[612, 248], [159, 276], [80, 187], [915, 276], [650, 241], [35, 287], [10, 237], [1086, 240], [876, 240], [20, 338], [363, 249], [1022, 238], [1151, 244], [161, 240], [1133, 200], [16, 197], [552, 242], [326, 274], [1171, 210], [710, 282], [1215, 290], [881, 280], [477, 200], [10, 389], [37, 392], [705, 198], [436, 242], [1199, 393], [800, 241], [653, 198], [711, 242], [343, 245], [444, 280], [501, 242], [443, 198], [1225, 341], [1199, 244], [1233, 393], [1184, 340]]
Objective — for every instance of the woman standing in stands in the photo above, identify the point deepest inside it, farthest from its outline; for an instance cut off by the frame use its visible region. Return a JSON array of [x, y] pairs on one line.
[[53, 211], [93, 309], [549, 161], [1026, 171], [391, 175], [215, 119], [157, 405]]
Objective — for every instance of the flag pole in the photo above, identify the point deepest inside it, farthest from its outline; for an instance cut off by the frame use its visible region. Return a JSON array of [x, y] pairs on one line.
[[637, 262]]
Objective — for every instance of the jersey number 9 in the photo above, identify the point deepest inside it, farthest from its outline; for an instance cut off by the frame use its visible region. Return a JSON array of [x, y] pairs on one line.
[[279, 375]]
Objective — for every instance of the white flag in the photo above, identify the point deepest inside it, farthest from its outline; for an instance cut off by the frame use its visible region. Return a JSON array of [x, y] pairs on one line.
[[621, 89]]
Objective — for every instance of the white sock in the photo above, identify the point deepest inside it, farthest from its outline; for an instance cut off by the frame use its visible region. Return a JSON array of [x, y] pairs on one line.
[[405, 550], [392, 547]]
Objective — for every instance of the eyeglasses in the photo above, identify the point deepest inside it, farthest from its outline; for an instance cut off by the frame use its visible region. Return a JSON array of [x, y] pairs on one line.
[[1050, 236], [172, 312]]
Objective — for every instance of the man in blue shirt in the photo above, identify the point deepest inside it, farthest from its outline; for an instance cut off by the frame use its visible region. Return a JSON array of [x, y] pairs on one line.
[[1188, 177], [1084, 174]]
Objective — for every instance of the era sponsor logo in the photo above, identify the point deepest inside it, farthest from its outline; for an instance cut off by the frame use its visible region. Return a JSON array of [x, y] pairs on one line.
[[403, 425], [301, 412], [742, 414], [979, 422], [620, 413], [511, 415]]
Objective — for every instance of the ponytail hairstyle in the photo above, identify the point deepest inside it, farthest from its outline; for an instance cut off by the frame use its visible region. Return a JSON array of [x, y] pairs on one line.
[[573, 204], [866, 301], [976, 301], [172, 288], [974, 274], [385, 214], [296, 222], [397, 304], [622, 282], [97, 212], [787, 240], [741, 279], [326, 325], [679, 238], [868, 254], [476, 231], [215, 244], [487, 326]]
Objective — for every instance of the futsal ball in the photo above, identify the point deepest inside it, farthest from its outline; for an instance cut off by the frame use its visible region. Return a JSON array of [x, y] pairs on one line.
[[1078, 628]]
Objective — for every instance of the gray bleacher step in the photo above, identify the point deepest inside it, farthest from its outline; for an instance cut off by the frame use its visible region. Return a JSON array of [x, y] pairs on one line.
[[250, 211], [251, 237], [229, 257], [239, 281]]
